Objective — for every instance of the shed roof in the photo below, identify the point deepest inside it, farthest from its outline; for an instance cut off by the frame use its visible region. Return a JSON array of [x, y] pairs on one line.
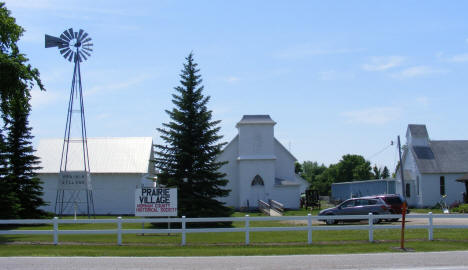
[[448, 157], [106, 155]]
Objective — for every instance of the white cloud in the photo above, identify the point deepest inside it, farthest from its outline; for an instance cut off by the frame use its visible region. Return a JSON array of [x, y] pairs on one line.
[[418, 71], [383, 63], [232, 79], [459, 58], [307, 50], [374, 116], [116, 86], [331, 75]]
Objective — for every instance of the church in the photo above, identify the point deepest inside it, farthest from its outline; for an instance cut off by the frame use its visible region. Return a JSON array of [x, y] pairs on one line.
[[259, 167]]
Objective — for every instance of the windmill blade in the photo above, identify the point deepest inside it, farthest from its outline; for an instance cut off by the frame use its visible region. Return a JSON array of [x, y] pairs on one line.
[[71, 56], [87, 53], [86, 40], [51, 41], [63, 51], [84, 36], [67, 54], [82, 55], [88, 49], [70, 33], [67, 34], [64, 37], [75, 35], [80, 33], [88, 45]]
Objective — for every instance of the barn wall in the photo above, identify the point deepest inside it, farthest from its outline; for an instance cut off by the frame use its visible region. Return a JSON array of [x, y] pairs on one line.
[[114, 194]]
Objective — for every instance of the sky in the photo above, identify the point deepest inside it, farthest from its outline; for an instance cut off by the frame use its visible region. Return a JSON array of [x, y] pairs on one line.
[[338, 77]]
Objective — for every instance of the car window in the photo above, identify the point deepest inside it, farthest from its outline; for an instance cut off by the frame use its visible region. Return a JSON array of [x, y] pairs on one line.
[[350, 203], [392, 200], [371, 202]]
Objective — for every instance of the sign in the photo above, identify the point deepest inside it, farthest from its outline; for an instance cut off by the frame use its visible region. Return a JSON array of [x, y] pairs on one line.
[[74, 180], [155, 202]]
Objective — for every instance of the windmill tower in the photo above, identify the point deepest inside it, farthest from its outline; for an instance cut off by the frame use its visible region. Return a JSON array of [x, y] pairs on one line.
[[74, 190]]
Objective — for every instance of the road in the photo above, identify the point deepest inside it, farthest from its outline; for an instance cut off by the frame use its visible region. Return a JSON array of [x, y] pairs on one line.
[[454, 260]]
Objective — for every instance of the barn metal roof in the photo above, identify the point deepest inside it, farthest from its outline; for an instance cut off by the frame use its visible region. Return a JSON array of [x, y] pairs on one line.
[[106, 155]]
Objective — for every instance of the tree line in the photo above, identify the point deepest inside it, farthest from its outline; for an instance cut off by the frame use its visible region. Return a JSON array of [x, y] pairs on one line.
[[349, 168]]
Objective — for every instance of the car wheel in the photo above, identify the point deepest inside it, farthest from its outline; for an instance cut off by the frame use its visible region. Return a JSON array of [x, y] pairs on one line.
[[331, 221]]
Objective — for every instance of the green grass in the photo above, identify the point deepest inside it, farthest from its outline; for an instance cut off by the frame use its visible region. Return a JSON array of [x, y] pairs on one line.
[[225, 250], [209, 244]]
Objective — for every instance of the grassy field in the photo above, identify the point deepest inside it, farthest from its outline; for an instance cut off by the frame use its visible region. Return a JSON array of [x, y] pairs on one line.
[[210, 244]]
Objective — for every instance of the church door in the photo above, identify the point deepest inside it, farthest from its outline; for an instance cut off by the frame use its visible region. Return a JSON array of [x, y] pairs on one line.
[[257, 191]]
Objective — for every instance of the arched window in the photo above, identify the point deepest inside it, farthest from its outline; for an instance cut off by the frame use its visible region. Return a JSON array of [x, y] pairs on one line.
[[257, 181]]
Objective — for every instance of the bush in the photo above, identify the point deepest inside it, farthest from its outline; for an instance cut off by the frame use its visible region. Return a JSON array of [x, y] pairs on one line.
[[462, 208]]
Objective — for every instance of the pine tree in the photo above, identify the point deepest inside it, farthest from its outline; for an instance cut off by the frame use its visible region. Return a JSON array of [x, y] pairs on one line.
[[385, 173], [17, 162], [9, 202], [187, 161], [22, 162]]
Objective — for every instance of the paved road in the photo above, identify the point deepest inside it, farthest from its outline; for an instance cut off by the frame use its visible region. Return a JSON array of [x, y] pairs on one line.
[[455, 260]]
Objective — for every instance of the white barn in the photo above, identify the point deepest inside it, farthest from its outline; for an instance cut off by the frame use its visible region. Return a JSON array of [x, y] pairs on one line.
[[259, 167], [431, 168], [118, 166]]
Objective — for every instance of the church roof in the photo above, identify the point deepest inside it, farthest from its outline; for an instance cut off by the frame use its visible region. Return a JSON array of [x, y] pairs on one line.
[[418, 130], [106, 155], [442, 157], [256, 119]]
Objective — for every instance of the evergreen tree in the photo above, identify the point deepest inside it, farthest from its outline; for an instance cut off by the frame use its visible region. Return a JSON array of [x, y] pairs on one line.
[[385, 173], [9, 202], [20, 189], [377, 172], [22, 162], [187, 161]]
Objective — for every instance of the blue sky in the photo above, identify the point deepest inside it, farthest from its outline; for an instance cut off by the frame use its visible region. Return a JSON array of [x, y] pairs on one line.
[[338, 77]]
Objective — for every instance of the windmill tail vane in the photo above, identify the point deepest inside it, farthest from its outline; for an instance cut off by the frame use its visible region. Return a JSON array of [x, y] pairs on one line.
[[72, 45]]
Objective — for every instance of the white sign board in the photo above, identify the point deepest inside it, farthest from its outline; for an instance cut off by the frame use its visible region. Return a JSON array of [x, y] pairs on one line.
[[74, 180], [155, 202]]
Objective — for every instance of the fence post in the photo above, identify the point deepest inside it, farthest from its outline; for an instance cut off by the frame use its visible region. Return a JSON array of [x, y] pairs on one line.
[[183, 231], [55, 230], [309, 232], [247, 233], [371, 228], [431, 228], [119, 231]]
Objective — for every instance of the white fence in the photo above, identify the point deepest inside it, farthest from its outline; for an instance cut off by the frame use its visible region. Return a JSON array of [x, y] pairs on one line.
[[246, 229]]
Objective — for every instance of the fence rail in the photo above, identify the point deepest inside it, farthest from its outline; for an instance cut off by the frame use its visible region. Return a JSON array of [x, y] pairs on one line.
[[370, 226]]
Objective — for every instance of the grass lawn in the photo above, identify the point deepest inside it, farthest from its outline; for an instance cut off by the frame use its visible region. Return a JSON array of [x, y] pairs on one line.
[[211, 244]]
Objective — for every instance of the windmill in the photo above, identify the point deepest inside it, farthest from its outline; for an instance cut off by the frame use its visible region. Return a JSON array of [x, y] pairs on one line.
[[74, 190]]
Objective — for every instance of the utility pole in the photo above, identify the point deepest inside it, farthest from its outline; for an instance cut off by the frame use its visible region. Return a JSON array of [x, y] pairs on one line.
[[404, 205], [403, 187]]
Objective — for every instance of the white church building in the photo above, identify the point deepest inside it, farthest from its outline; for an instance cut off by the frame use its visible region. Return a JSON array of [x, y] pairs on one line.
[[431, 168], [259, 167]]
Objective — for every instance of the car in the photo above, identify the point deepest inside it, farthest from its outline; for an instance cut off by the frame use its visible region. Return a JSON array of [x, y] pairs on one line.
[[395, 202], [357, 206]]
